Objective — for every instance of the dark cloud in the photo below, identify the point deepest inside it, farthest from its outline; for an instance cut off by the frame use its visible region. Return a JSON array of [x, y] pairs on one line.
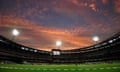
[[74, 22]]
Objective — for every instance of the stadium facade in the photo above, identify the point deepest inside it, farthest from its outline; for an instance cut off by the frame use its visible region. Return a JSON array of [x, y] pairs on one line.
[[106, 51]]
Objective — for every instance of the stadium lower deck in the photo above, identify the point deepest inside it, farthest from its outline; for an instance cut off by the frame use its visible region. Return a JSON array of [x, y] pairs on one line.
[[113, 67]]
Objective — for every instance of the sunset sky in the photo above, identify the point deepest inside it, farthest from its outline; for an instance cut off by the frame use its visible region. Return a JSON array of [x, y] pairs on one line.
[[73, 22]]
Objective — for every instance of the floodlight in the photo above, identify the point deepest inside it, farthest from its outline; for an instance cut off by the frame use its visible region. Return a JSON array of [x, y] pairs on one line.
[[95, 38], [58, 43], [15, 32]]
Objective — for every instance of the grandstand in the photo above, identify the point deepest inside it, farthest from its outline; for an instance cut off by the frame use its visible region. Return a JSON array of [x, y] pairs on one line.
[[13, 52], [106, 51], [16, 58]]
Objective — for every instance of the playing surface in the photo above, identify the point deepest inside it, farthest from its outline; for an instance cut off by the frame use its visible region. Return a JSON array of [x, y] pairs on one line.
[[60, 68]]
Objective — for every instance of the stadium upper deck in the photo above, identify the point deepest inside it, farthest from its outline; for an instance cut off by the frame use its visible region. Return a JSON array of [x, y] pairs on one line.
[[108, 50]]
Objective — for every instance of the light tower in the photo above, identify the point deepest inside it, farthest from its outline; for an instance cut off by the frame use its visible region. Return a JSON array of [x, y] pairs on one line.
[[15, 33], [95, 39], [58, 44]]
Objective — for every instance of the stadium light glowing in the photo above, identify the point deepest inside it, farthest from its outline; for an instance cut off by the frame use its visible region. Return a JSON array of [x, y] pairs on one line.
[[95, 38], [110, 41], [58, 43], [22, 48], [15, 32], [35, 50]]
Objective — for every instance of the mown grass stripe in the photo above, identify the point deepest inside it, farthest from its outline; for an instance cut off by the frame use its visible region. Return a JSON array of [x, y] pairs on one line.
[[87, 69], [80, 69], [58, 69], [51, 69], [101, 68], [94, 68], [72, 69]]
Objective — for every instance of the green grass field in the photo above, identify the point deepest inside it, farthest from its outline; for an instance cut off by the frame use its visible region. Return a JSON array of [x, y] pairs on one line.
[[115, 67]]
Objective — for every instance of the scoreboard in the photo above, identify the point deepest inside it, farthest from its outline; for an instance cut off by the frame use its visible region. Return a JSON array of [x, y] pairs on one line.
[[56, 51]]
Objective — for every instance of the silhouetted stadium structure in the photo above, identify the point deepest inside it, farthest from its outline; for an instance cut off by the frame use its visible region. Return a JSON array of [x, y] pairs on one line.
[[106, 51]]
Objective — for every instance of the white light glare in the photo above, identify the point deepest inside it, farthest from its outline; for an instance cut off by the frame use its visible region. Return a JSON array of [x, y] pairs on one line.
[[35, 50], [110, 41], [26, 48], [56, 53], [22, 48], [96, 38], [58, 43], [15, 32]]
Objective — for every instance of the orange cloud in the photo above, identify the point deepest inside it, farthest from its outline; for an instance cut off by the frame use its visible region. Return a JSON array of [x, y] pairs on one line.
[[93, 7], [43, 38], [104, 1], [37, 36], [117, 6]]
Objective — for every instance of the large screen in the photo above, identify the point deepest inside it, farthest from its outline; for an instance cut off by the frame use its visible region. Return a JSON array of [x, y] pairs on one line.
[[55, 52]]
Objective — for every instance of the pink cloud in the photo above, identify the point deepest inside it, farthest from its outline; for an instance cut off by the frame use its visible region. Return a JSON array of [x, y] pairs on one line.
[[39, 35]]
